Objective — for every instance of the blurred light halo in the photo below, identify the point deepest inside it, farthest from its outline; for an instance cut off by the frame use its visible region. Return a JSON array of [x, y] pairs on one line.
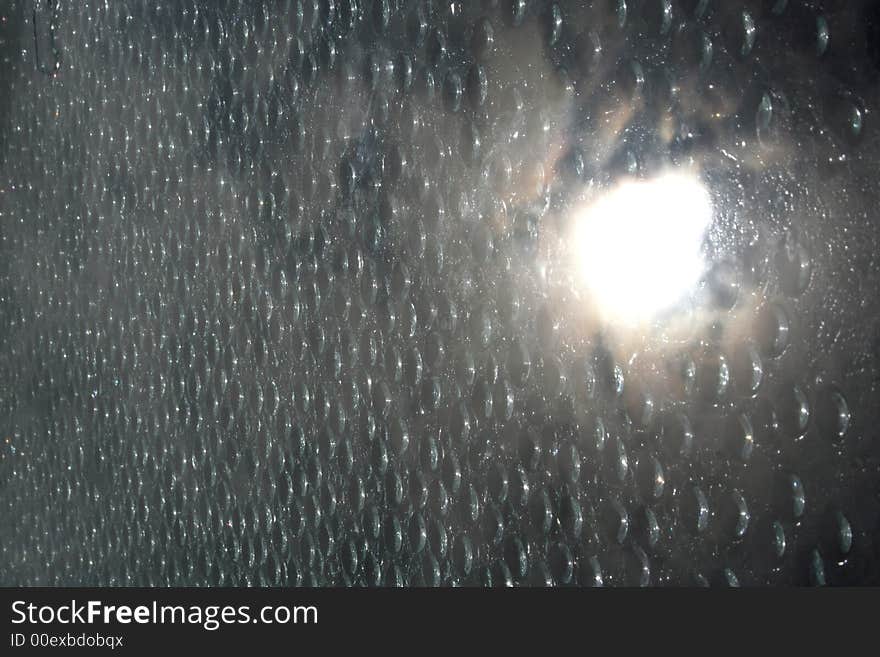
[[639, 246]]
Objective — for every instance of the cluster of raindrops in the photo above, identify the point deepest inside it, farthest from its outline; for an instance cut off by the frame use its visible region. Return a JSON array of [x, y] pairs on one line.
[[284, 301]]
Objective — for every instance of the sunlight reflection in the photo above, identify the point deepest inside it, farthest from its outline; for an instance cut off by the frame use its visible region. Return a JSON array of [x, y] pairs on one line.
[[639, 246]]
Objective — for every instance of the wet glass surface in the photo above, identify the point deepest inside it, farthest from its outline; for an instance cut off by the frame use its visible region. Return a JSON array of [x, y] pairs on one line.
[[427, 292]]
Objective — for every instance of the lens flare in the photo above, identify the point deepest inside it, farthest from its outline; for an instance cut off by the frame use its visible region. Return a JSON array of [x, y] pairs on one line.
[[639, 246]]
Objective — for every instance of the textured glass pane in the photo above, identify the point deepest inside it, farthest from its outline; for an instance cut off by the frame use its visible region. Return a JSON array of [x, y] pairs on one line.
[[431, 292]]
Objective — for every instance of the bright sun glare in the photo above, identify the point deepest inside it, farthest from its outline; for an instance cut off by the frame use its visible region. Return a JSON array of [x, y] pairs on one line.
[[639, 246]]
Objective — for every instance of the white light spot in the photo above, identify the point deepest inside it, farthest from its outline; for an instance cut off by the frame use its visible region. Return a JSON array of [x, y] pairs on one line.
[[639, 246]]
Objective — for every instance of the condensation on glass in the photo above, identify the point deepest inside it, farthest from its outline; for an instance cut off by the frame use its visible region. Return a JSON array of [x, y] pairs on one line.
[[429, 292]]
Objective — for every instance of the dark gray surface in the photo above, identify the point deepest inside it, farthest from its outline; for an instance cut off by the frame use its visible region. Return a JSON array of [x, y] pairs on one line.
[[288, 293]]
